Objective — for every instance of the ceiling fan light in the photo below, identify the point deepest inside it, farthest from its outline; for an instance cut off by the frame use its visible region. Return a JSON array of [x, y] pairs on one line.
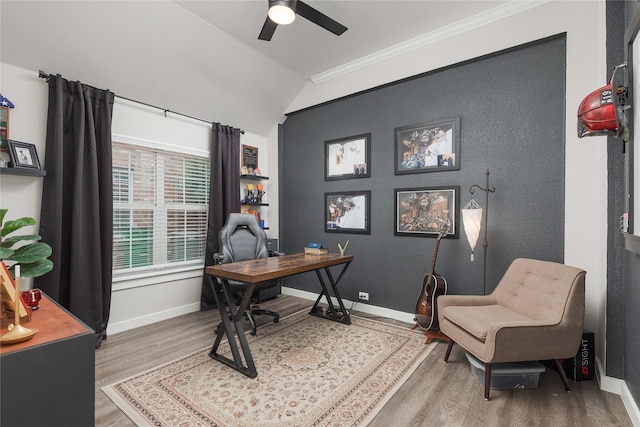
[[281, 13]]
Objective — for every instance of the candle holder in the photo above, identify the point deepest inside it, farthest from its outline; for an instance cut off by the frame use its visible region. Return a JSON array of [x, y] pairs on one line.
[[17, 333]]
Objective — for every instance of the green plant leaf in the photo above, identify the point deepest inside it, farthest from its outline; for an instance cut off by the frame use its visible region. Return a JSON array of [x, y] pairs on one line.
[[10, 241], [35, 269], [3, 212], [31, 253], [5, 253], [16, 224]]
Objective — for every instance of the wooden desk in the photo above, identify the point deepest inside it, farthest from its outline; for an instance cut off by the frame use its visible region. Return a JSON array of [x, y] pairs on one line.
[[258, 271], [50, 379]]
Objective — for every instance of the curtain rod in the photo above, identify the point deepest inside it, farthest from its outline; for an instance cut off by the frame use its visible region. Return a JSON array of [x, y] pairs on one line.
[[43, 75]]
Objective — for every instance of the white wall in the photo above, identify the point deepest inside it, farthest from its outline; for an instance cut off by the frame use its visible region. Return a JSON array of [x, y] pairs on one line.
[[27, 123], [585, 166], [140, 301]]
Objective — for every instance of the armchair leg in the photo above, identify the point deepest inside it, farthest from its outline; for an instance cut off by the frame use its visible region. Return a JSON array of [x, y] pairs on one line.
[[562, 375], [487, 380], [449, 347]]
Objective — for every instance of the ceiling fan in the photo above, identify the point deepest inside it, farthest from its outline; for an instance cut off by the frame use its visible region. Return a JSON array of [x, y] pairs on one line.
[[283, 12]]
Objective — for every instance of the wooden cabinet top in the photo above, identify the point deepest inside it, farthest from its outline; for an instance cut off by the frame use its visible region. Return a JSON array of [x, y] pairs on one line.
[[53, 323]]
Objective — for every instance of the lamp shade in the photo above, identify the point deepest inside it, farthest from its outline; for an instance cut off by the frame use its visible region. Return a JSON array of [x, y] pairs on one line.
[[472, 222], [281, 12]]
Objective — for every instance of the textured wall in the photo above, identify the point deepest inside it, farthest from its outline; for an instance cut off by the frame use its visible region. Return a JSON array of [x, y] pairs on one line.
[[629, 294], [511, 109]]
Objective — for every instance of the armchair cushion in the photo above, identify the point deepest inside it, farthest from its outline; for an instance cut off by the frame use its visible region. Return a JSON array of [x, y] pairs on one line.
[[478, 319]]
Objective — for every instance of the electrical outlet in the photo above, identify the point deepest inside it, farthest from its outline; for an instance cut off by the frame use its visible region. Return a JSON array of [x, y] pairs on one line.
[[363, 296]]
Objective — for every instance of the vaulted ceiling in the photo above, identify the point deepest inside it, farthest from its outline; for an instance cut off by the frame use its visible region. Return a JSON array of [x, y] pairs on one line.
[[203, 58]]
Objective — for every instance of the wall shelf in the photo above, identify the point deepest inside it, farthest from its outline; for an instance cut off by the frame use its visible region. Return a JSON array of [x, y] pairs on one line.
[[22, 171], [254, 177]]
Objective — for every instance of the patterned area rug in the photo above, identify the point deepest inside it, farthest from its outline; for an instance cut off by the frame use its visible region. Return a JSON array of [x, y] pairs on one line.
[[311, 372]]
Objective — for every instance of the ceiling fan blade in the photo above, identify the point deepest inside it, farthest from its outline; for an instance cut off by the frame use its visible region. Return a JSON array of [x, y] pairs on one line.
[[268, 29], [319, 18]]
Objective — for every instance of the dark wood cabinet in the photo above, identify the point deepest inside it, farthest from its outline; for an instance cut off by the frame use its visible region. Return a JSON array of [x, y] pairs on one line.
[[50, 379]]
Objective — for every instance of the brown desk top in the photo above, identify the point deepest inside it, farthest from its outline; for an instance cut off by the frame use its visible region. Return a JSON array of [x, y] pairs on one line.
[[260, 270], [53, 323]]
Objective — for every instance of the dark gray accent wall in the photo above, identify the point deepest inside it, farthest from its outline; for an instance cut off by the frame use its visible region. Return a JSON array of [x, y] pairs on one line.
[[511, 107], [615, 338], [629, 290]]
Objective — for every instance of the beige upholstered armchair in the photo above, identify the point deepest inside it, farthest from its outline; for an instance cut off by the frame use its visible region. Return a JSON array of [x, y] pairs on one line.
[[535, 313]]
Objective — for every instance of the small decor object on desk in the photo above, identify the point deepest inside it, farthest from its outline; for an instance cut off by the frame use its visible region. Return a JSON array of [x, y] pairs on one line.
[[343, 248], [315, 249]]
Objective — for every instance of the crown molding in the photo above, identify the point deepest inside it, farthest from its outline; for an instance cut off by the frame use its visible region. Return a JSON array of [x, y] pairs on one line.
[[511, 8]]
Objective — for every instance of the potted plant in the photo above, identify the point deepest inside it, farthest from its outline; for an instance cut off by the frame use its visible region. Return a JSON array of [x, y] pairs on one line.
[[24, 249]]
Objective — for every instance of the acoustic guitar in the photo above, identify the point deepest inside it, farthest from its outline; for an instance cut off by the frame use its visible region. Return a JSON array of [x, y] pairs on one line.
[[433, 285]]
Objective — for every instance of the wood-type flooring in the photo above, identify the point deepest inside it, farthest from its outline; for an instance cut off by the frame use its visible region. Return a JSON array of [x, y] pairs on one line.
[[437, 394]]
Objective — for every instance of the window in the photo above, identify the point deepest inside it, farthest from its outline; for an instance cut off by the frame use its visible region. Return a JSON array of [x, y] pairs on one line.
[[160, 203]]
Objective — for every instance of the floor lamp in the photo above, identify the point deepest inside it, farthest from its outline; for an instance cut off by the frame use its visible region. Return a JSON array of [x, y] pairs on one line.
[[472, 219]]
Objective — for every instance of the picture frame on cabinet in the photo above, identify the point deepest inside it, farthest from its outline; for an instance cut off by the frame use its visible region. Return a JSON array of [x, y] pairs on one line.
[[428, 147], [348, 157], [23, 155]]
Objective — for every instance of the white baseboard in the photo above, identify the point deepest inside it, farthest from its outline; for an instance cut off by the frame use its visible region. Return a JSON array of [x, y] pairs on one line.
[[619, 387], [357, 305], [125, 325]]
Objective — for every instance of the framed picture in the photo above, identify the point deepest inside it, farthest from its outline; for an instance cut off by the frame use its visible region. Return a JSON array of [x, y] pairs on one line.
[[426, 212], [347, 212], [249, 157], [23, 155], [428, 147], [348, 157], [4, 128], [8, 292]]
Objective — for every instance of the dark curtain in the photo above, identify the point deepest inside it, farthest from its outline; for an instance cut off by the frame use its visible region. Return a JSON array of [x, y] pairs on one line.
[[224, 193], [76, 217]]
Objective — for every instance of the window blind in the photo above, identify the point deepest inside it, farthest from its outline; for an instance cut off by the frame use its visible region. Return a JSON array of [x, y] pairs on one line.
[[160, 201]]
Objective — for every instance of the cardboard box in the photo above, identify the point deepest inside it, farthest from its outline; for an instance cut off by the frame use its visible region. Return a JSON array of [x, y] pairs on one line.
[[582, 366]]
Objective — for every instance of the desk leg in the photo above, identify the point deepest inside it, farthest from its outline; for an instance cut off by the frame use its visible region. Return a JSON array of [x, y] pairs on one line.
[[339, 315], [232, 328]]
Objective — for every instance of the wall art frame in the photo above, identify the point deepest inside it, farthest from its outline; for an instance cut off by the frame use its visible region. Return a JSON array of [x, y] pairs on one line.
[[347, 158], [428, 147], [23, 155], [347, 212], [249, 157], [423, 212]]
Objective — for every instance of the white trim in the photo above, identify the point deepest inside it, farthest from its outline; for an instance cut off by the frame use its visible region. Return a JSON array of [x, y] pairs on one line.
[[365, 308], [630, 405], [511, 8], [159, 145], [149, 277], [148, 319], [619, 387]]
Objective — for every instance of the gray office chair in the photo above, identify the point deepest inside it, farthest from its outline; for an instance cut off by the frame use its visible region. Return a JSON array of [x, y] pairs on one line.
[[242, 239]]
